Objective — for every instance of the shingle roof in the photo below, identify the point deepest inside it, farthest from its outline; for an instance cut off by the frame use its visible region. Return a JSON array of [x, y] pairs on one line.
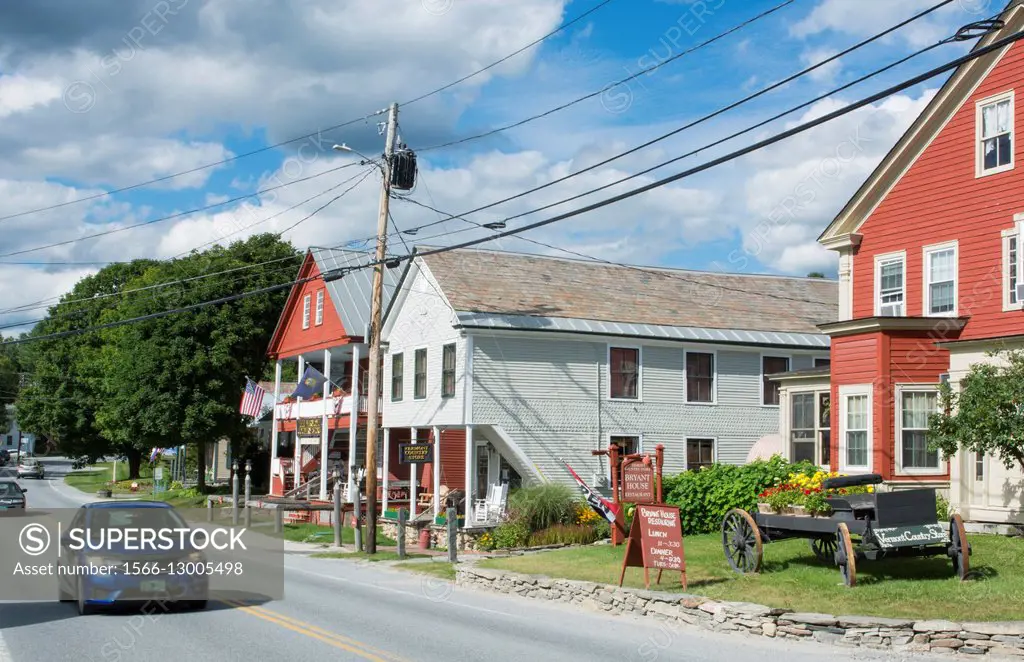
[[513, 284], [351, 294]]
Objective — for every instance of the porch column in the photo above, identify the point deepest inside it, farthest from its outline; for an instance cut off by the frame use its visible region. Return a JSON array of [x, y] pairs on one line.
[[353, 424], [302, 366], [437, 471], [324, 432], [384, 482], [470, 471], [298, 440], [412, 475], [273, 420]]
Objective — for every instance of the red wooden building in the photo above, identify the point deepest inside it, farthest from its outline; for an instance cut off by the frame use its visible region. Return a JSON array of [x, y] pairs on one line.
[[323, 324], [930, 263]]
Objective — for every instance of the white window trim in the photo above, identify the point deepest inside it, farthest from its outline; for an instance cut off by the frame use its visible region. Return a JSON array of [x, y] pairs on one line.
[[888, 257], [426, 388], [608, 443], [788, 417], [639, 372], [898, 446], [390, 365], [714, 378], [686, 451], [1016, 231], [319, 317], [844, 393], [454, 345], [925, 282], [305, 311], [760, 372], [978, 154]]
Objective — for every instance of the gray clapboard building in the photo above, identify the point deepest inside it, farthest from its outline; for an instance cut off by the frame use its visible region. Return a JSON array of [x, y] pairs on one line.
[[515, 362]]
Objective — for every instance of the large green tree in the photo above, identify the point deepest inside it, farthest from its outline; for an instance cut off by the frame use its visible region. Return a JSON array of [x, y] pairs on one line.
[[178, 379], [9, 384], [987, 414], [62, 390]]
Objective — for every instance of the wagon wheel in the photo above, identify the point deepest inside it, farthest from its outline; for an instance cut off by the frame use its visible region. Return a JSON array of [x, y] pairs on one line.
[[959, 548], [844, 556], [824, 549], [741, 540]]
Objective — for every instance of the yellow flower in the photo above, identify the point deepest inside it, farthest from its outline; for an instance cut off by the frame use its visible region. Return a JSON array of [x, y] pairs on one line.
[[871, 488]]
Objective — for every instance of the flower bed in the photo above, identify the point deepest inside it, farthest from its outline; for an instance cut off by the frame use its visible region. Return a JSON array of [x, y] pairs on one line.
[[802, 494]]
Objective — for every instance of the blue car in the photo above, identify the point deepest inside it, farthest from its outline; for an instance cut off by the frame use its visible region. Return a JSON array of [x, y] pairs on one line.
[[117, 574]]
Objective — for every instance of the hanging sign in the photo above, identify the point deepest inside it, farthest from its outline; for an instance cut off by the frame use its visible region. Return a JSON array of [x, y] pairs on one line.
[[415, 453], [309, 427], [638, 481], [655, 541]]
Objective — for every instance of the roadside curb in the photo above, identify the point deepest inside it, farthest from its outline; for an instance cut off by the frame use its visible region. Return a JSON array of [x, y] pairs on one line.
[[992, 639]]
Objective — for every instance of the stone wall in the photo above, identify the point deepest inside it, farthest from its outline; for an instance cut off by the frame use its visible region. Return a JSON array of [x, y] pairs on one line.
[[467, 539], [896, 634]]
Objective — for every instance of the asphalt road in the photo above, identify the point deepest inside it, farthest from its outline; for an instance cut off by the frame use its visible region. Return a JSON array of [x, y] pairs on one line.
[[347, 610]]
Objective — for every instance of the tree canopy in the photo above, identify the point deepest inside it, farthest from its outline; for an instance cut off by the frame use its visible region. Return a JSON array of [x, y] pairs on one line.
[[161, 382], [987, 414]]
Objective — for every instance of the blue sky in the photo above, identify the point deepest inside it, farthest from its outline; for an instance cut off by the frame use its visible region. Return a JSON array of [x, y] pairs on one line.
[[125, 92]]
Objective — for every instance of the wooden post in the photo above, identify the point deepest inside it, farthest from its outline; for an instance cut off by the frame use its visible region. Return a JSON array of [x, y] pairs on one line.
[[278, 520], [659, 455], [453, 535], [337, 508], [619, 530], [248, 494], [234, 494], [357, 511], [403, 517]]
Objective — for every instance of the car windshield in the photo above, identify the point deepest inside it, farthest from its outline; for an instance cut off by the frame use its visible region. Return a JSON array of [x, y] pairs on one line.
[[132, 518], [9, 490]]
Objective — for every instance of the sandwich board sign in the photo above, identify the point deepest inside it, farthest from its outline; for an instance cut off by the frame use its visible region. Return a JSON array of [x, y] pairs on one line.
[[655, 541]]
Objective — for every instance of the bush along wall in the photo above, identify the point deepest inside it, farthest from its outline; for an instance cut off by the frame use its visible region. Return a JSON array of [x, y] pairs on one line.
[[704, 496]]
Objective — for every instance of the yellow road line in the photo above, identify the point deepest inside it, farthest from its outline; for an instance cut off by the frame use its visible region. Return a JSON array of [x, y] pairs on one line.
[[326, 636]]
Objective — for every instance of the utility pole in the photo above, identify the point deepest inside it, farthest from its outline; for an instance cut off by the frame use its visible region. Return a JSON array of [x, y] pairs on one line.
[[373, 387]]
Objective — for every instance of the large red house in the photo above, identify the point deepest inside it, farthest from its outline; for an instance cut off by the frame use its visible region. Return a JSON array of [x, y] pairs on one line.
[[929, 266]]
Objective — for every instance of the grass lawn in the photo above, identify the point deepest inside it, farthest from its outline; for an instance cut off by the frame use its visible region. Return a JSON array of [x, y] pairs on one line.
[[314, 533], [793, 578], [441, 569], [381, 555], [98, 476]]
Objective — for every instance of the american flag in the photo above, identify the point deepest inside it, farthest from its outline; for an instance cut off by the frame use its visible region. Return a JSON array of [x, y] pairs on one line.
[[252, 399]]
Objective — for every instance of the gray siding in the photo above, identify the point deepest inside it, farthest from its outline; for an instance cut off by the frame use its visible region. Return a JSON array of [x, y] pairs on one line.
[[550, 397]]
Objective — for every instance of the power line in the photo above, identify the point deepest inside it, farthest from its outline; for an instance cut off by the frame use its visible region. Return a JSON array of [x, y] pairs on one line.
[[366, 173], [788, 133], [610, 86], [188, 212], [316, 133], [709, 116]]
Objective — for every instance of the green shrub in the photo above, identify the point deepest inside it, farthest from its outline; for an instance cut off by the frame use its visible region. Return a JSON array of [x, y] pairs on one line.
[[705, 496], [543, 506], [514, 532], [565, 534]]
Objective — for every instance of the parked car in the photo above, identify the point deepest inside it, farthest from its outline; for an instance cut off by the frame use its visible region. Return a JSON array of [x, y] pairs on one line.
[[12, 495], [181, 580], [5, 457], [30, 467]]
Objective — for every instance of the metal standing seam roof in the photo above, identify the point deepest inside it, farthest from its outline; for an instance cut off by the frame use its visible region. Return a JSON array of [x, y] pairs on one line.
[[351, 294], [500, 290]]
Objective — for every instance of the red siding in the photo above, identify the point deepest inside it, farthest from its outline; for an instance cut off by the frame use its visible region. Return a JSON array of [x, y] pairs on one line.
[[453, 459], [290, 338], [939, 199]]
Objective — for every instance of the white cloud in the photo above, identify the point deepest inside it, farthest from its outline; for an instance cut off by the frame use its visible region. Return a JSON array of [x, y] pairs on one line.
[[826, 73], [19, 94], [860, 18]]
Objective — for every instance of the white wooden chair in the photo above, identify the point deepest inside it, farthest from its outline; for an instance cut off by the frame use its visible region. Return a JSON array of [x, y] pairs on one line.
[[493, 507]]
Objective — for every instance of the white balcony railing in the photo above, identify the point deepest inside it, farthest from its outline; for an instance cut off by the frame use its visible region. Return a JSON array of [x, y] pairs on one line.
[[336, 406]]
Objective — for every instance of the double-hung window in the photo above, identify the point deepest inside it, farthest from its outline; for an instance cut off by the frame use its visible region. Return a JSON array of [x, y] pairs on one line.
[[319, 308], [448, 371], [855, 428], [305, 311], [1013, 266], [769, 388], [995, 134], [915, 406], [890, 288], [700, 453], [802, 430], [628, 445], [420, 378], [397, 370], [624, 369], [940, 287], [700, 377]]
